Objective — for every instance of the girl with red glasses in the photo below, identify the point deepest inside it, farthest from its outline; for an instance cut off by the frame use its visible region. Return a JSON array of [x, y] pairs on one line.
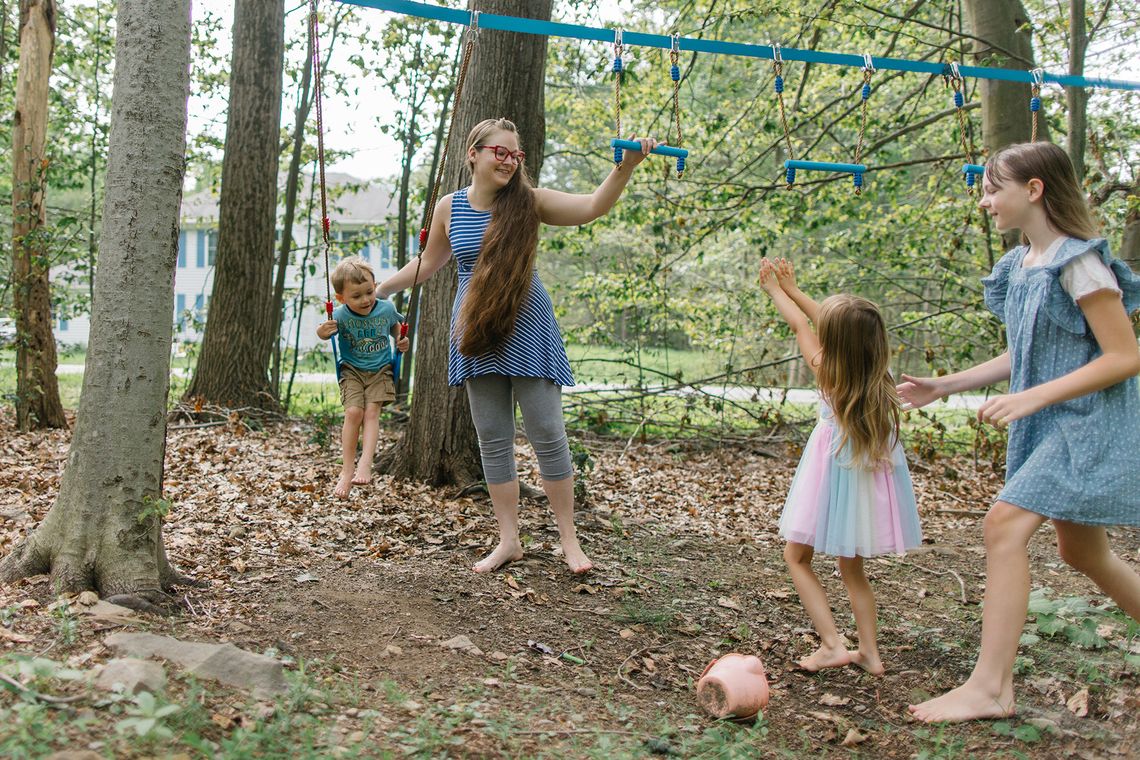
[[505, 342]]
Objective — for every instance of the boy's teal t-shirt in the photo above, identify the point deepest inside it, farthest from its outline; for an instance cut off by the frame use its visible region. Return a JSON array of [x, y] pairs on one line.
[[364, 341]]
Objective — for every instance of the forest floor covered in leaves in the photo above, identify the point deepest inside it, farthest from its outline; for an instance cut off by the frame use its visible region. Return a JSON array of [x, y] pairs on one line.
[[364, 600]]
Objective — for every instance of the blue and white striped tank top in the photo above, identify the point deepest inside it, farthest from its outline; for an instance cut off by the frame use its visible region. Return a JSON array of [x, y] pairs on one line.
[[534, 348]]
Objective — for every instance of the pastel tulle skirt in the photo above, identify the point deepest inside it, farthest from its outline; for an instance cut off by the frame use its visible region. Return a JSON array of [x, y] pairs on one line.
[[849, 511]]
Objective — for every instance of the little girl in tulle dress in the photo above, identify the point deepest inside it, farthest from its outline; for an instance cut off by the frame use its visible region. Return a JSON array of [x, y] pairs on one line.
[[852, 495]]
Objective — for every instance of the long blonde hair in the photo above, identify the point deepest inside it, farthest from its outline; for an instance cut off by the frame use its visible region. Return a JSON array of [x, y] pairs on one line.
[[854, 376], [1065, 203], [502, 276]]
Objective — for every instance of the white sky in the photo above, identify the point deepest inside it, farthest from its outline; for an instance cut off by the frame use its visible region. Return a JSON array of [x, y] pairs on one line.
[[352, 123]]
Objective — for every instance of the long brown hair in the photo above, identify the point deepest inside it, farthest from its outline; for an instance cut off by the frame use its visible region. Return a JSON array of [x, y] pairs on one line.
[[854, 376], [501, 279], [1065, 203]]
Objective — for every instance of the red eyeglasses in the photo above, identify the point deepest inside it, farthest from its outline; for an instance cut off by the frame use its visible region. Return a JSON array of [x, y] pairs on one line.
[[502, 154]]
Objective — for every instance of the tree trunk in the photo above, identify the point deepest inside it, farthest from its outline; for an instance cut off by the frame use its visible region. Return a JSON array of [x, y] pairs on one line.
[[1130, 243], [233, 370], [105, 530], [1005, 28], [37, 389], [1077, 98], [439, 444]]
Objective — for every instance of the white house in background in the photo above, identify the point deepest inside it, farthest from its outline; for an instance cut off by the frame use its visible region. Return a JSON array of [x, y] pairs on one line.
[[363, 223]]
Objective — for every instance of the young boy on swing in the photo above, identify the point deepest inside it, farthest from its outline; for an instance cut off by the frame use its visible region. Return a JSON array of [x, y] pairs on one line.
[[362, 324]]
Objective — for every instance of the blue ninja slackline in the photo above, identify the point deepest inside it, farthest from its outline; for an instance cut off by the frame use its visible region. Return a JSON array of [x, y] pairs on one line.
[[577, 31]]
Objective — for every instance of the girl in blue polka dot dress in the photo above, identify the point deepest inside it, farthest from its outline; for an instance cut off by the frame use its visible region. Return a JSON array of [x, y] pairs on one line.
[[1073, 408]]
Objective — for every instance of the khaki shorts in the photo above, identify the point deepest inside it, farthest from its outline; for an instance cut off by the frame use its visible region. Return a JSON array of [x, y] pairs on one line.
[[359, 388]]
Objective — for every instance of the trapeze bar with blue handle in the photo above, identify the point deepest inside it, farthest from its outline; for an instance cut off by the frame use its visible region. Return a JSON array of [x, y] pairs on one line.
[[660, 150], [973, 169], [826, 166], [576, 31]]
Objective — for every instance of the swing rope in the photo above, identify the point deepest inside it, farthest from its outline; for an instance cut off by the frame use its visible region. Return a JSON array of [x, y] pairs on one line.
[[675, 75], [956, 83], [1035, 100], [617, 69], [865, 94], [314, 31], [778, 66]]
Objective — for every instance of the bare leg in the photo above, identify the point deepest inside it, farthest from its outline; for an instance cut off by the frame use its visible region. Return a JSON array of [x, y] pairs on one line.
[[988, 692], [371, 434], [505, 500], [863, 605], [1085, 548], [831, 653], [353, 416], [561, 496]]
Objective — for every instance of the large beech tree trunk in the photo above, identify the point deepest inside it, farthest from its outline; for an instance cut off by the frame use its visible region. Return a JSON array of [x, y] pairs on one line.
[[1004, 41], [104, 530], [37, 389], [233, 370], [439, 444]]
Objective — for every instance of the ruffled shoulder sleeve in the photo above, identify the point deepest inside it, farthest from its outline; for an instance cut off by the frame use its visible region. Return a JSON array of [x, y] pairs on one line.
[[1127, 280], [997, 283]]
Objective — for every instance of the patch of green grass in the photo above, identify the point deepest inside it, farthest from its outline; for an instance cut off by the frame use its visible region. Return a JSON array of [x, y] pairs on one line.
[[637, 612]]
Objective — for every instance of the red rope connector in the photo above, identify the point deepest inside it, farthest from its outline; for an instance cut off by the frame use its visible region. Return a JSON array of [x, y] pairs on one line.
[[328, 308], [403, 329], [325, 225], [423, 236]]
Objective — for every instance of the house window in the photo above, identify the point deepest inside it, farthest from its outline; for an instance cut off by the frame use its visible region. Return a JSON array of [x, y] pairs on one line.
[[62, 325], [182, 250], [180, 310], [211, 246], [198, 305], [200, 258]]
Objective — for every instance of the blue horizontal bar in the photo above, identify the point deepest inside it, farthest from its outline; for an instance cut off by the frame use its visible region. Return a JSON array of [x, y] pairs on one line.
[[973, 169], [826, 166], [661, 150], [576, 31]]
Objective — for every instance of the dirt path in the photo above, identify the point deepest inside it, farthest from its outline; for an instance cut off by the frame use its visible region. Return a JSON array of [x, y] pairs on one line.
[[688, 567]]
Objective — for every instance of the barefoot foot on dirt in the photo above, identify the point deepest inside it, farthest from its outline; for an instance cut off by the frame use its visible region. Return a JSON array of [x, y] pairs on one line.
[[505, 552], [577, 560], [362, 477], [868, 661], [967, 702], [826, 657]]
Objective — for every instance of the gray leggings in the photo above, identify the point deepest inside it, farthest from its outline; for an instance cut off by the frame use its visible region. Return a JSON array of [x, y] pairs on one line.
[[493, 399]]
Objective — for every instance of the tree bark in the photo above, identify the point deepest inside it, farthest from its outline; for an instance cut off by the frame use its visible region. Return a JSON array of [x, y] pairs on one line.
[[105, 529], [233, 369], [1076, 98], [1004, 26], [37, 389], [439, 445]]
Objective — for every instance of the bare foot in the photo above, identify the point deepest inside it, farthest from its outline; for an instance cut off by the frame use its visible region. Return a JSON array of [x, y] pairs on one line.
[[870, 662], [577, 560], [343, 486], [505, 552], [362, 477], [967, 702], [825, 657]]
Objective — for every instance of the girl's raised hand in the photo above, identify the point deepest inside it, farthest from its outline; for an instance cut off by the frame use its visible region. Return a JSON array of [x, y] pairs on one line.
[[768, 279], [917, 392], [785, 273]]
